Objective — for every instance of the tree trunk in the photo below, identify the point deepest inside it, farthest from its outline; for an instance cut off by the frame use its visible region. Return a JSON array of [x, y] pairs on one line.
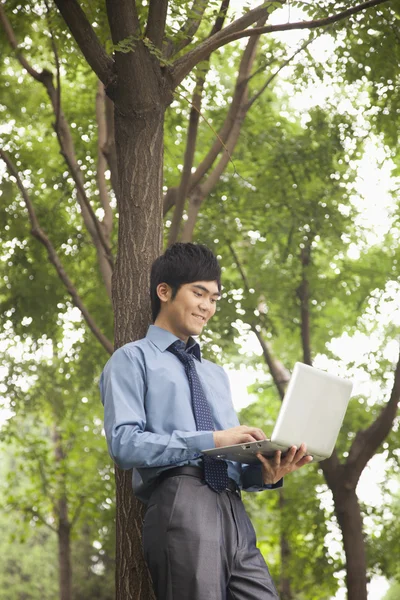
[[284, 586], [64, 550], [350, 521], [64, 525], [139, 140]]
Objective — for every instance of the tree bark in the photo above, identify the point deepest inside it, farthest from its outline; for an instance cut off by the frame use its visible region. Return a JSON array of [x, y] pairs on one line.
[[139, 146], [284, 585], [350, 521], [133, 581], [64, 550], [64, 524]]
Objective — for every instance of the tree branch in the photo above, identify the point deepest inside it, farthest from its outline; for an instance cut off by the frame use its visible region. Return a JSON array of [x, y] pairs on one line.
[[223, 140], [276, 73], [135, 67], [230, 132], [368, 441], [188, 161], [188, 30], [123, 19], [182, 191], [330, 465], [279, 374], [91, 221], [101, 161], [86, 39], [75, 517], [184, 65], [14, 45], [57, 62], [43, 477], [39, 234], [203, 190], [236, 104], [68, 151], [36, 514], [169, 199], [303, 293], [156, 22], [109, 148]]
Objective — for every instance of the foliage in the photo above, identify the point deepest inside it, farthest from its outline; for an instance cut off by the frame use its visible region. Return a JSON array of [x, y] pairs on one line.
[[297, 514], [57, 450], [393, 592], [23, 556]]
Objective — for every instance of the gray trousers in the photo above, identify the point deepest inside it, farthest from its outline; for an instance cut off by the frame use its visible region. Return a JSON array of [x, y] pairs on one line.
[[200, 545]]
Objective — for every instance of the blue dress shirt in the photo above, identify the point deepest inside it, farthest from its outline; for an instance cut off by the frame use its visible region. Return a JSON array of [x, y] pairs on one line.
[[148, 416]]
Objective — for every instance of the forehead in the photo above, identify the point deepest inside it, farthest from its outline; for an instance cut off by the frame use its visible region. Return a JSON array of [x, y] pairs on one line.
[[207, 286]]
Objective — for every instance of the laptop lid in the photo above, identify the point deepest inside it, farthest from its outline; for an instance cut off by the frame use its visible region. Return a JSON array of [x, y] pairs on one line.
[[312, 410]]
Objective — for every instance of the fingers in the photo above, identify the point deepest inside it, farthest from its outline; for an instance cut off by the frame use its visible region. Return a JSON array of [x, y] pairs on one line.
[[274, 462], [300, 454], [238, 435], [294, 456], [297, 458], [248, 438], [257, 433], [268, 468]]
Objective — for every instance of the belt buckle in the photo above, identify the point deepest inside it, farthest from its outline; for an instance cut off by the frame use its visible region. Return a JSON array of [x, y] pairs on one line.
[[235, 491]]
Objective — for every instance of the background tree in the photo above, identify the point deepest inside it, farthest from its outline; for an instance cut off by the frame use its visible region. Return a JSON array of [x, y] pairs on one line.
[[61, 478]]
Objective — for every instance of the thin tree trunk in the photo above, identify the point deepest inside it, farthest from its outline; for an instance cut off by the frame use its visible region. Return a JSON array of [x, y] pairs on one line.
[[341, 478], [350, 520], [64, 525], [64, 550], [284, 586]]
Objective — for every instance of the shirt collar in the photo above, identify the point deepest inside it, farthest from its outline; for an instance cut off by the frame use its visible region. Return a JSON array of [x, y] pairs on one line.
[[163, 339]]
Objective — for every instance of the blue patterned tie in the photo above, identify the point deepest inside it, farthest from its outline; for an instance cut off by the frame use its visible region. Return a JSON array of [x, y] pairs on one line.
[[215, 471]]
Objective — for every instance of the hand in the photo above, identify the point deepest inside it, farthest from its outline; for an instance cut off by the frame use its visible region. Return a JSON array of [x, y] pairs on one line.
[[238, 435], [273, 469]]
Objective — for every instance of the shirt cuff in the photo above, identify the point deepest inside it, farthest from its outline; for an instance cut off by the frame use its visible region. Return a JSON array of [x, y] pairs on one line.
[[252, 479], [200, 440]]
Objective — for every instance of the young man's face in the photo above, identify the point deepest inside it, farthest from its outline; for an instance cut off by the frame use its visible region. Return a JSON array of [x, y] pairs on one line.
[[193, 305]]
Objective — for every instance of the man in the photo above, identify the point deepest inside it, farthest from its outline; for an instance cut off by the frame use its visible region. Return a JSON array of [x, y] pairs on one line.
[[163, 405]]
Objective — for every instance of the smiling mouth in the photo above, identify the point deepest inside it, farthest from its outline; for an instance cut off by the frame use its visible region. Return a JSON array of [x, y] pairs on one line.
[[200, 318]]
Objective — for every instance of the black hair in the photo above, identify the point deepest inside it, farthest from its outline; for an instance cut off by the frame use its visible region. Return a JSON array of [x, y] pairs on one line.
[[180, 264]]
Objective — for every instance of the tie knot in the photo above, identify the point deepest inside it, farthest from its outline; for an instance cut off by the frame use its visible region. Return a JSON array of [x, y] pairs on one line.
[[178, 348]]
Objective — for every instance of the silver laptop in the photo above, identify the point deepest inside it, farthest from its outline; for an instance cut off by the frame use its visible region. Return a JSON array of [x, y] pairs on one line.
[[312, 412]]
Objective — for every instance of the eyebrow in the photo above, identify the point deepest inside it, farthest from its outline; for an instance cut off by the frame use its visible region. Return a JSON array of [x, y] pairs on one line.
[[204, 289]]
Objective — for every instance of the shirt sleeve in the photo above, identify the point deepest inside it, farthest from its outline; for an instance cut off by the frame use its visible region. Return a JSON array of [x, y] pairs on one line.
[[252, 479], [123, 391]]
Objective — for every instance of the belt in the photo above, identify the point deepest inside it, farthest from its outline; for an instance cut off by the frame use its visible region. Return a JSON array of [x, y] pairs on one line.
[[197, 472]]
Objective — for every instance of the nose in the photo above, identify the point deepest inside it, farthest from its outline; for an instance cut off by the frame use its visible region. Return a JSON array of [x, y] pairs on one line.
[[205, 305]]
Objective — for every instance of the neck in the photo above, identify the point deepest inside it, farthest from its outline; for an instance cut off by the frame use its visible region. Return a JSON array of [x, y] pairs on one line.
[[165, 324]]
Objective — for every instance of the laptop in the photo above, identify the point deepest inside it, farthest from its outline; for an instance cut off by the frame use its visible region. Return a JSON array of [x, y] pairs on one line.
[[312, 412]]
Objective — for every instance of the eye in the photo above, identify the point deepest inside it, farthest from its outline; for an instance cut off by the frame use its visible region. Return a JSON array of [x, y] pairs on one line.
[[197, 294]]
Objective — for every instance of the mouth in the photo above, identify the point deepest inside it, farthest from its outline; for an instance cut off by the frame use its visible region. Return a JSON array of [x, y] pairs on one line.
[[199, 318]]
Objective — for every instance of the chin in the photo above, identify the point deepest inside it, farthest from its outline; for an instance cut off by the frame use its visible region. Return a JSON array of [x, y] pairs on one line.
[[195, 330]]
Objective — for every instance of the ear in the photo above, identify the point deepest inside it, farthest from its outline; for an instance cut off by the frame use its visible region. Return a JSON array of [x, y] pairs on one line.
[[164, 292]]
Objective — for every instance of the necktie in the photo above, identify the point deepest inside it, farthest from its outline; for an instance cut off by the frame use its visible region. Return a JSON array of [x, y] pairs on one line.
[[215, 470]]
